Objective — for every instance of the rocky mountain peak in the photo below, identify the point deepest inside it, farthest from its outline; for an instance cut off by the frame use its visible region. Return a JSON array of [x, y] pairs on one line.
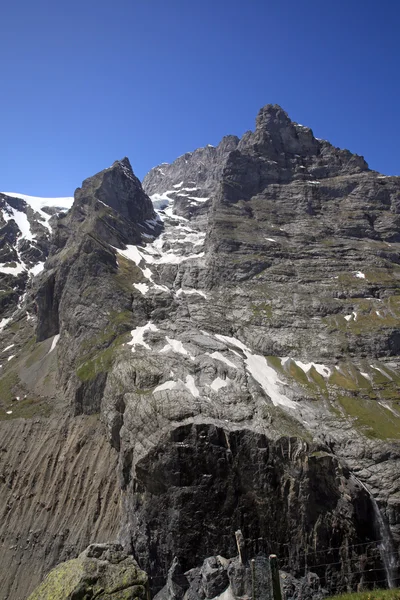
[[241, 349], [272, 116], [120, 189]]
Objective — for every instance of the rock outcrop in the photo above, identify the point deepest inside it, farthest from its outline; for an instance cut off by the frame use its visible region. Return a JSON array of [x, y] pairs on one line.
[[102, 571], [234, 324]]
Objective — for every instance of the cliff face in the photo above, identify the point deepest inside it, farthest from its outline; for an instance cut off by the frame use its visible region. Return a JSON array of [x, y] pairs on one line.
[[234, 325]]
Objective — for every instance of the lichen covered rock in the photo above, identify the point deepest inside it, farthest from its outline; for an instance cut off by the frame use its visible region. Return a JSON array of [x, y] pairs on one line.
[[102, 571]]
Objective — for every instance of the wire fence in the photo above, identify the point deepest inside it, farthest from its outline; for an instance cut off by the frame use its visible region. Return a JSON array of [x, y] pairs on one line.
[[363, 565]]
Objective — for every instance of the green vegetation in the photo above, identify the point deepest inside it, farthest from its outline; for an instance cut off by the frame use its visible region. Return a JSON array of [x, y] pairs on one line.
[[284, 423], [128, 273], [370, 402], [98, 352], [28, 405], [369, 595], [8, 387], [100, 363], [373, 419], [261, 311], [349, 378]]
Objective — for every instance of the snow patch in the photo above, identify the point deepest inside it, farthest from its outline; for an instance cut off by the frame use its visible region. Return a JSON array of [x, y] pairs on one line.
[[38, 204], [138, 336], [359, 274], [20, 268], [8, 347], [260, 370], [4, 322], [21, 220], [167, 385], [267, 377], [306, 367], [54, 343], [365, 375], [382, 372], [221, 357], [190, 292], [37, 269], [175, 346], [233, 341], [219, 383], [191, 386], [142, 287]]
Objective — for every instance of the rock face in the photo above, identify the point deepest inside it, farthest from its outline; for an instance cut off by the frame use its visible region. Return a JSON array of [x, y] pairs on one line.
[[234, 323], [102, 571]]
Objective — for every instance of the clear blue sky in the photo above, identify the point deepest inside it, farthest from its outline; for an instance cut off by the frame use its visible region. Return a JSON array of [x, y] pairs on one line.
[[85, 82]]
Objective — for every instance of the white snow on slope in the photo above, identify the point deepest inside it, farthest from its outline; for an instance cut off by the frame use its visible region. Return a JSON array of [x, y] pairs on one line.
[[260, 370], [37, 268], [167, 385], [142, 287], [21, 220], [219, 383], [4, 322], [222, 358], [306, 367], [54, 343], [191, 386], [138, 336], [175, 346], [37, 204], [8, 347], [12, 270], [190, 292]]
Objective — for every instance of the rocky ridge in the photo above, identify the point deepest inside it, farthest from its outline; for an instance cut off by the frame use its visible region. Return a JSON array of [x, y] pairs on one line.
[[238, 337]]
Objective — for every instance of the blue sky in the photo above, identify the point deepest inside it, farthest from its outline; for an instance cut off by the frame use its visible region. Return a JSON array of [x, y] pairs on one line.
[[87, 82]]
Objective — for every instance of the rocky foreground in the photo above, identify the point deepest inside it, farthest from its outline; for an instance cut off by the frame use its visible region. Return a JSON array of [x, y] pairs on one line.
[[216, 349]]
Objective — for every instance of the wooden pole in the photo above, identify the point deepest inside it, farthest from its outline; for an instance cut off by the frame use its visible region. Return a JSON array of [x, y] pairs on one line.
[[253, 579], [241, 545], [276, 584]]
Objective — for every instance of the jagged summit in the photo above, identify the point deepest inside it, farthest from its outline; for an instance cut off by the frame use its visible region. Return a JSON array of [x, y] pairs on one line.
[[120, 189], [277, 151]]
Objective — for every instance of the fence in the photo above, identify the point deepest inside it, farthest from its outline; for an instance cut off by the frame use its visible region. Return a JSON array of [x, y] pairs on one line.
[[360, 566]]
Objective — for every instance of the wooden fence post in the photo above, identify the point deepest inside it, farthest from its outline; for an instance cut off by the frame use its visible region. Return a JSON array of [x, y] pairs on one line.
[[253, 579], [276, 584]]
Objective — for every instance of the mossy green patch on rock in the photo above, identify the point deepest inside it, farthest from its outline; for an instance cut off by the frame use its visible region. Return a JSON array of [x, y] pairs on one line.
[[17, 402], [97, 353], [60, 582], [128, 273], [375, 420], [102, 571]]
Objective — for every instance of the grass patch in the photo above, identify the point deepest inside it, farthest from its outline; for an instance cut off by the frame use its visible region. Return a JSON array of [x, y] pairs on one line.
[[369, 595], [97, 354], [27, 407], [101, 363], [263, 310], [374, 420], [128, 273], [8, 387], [285, 424]]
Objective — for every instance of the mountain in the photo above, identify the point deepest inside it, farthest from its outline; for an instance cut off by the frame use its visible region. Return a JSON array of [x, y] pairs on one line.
[[216, 349]]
